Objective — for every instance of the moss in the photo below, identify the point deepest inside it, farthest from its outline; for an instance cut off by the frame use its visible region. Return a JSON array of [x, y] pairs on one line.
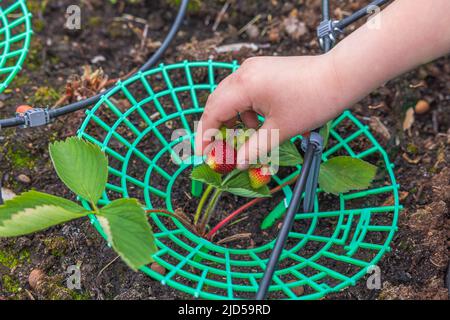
[[38, 25], [80, 295], [37, 6], [95, 21], [10, 284], [56, 292], [412, 148], [34, 58], [57, 246], [20, 80], [11, 260], [8, 259], [45, 96], [20, 158], [194, 5]]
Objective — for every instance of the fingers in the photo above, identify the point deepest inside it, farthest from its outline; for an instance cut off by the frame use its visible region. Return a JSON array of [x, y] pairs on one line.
[[222, 106], [250, 119], [259, 145]]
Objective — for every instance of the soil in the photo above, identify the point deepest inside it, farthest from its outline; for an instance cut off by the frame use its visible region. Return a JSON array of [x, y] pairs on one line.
[[111, 38]]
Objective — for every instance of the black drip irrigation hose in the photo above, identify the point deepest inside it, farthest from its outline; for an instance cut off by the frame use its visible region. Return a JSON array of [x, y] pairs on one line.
[[294, 205], [287, 224], [18, 121], [361, 13]]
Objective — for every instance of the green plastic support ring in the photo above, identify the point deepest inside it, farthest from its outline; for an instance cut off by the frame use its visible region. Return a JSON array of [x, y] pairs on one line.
[[15, 37], [328, 250]]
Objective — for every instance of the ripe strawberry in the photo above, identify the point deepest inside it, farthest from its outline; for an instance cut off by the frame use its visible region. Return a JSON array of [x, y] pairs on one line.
[[222, 157], [259, 176]]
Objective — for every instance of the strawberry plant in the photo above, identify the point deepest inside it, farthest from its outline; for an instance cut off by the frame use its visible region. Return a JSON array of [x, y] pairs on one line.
[[340, 174], [83, 168]]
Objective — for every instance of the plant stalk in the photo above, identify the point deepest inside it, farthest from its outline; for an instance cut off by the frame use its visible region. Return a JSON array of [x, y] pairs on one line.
[[184, 221], [209, 209], [202, 202]]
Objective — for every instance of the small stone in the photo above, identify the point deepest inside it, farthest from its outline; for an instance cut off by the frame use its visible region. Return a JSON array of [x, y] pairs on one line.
[[252, 32], [24, 179], [7, 194], [35, 277], [274, 35], [158, 268], [98, 59], [294, 27], [422, 107]]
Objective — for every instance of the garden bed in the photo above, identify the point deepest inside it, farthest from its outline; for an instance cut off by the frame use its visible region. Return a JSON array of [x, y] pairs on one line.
[[414, 269]]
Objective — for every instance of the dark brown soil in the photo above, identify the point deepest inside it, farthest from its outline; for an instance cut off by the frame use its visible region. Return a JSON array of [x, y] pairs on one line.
[[415, 269]]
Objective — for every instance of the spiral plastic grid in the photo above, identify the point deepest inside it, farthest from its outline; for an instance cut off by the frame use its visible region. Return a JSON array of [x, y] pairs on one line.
[[15, 36], [328, 250]]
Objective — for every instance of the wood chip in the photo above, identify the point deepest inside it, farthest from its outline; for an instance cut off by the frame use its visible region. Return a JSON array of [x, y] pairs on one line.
[[234, 238], [409, 119], [390, 201], [409, 160], [378, 126]]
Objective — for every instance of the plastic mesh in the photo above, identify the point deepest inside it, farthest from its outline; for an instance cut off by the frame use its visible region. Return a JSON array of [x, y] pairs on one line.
[[15, 35], [328, 249]]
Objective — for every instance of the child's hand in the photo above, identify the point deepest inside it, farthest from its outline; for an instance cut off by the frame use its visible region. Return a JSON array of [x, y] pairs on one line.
[[298, 94], [294, 94]]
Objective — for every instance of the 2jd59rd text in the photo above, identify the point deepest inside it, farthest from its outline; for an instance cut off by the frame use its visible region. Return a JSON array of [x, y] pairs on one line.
[[224, 310]]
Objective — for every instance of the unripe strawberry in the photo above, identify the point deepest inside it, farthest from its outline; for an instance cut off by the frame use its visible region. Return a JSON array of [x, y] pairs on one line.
[[222, 157], [259, 176]]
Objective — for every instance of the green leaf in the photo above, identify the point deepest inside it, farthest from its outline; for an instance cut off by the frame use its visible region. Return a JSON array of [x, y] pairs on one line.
[[289, 156], [126, 226], [35, 211], [343, 174], [204, 173], [198, 258], [239, 185], [325, 133], [82, 166], [273, 216]]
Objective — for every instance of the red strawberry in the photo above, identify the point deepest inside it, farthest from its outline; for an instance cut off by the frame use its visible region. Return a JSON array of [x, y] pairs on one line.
[[222, 157], [259, 176]]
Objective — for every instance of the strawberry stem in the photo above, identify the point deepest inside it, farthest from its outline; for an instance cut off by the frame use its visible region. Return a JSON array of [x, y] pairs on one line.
[[202, 202], [210, 209], [246, 206], [183, 220]]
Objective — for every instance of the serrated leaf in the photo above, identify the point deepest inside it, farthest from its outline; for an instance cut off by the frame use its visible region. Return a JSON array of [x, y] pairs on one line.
[[262, 192], [127, 229], [239, 185], [288, 154], [35, 211], [343, 174], [82, 166], [205, 174]]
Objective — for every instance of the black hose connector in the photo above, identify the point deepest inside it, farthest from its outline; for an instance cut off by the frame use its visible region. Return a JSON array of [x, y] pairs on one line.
[[54, 113]]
